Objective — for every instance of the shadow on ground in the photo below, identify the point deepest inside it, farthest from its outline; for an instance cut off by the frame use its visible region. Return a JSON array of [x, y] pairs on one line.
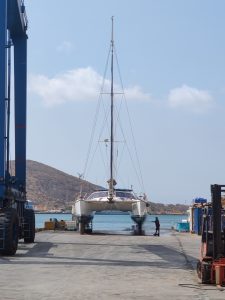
[[159, 256]]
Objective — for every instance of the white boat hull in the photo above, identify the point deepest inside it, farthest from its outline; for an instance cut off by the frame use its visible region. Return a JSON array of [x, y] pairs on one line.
[[84, 209]]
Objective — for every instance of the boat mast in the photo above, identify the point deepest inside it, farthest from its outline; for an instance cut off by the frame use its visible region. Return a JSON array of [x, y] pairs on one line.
[[111, 180]]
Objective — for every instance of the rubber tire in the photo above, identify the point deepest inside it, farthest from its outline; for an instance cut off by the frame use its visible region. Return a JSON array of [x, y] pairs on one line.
[[82, 228], [199, 269], [29, 226], [204, 272], [89, 230], [9, 219]]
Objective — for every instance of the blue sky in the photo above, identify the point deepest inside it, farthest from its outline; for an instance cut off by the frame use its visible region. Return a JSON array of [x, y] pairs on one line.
[[172, 61]]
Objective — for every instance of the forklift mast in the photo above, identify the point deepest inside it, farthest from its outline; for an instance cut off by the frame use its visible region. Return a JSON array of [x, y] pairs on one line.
[[218, 229], [13, 27], [211, 266]]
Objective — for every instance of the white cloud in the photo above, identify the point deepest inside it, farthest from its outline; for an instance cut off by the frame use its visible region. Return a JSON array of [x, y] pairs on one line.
[[65, 47], [136, 93], [76, 85], [191, 99]]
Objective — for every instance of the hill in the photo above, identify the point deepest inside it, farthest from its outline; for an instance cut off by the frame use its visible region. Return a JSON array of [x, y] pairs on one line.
[[50, 188], [159, 208]]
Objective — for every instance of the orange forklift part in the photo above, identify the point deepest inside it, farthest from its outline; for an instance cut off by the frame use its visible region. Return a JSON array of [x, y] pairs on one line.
[[218, 272]]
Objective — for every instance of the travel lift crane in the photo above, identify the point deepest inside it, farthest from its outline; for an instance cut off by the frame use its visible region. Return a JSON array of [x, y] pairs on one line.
[[211, 267], [16, 221]]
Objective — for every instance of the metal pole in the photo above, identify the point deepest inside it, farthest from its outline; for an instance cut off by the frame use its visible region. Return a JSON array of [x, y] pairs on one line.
[[111, 183], [3, 80], [20, 73], [8, 109], [216, 214]]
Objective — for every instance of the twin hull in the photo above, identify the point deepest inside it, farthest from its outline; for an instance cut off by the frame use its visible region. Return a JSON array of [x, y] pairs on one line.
[[83, 207]]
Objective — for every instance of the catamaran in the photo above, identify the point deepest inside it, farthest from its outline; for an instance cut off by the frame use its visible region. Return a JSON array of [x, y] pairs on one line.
[[112, 198]]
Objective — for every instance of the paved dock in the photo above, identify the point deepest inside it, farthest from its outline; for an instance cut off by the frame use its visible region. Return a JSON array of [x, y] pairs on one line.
[[65, 265]]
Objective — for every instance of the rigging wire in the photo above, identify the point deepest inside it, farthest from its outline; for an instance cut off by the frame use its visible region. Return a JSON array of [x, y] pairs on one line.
[[116, 130], [104, 159], [92, 158], [99, 140], [129, 117], [117, 162], [131, 157], [116, 142], [98, 143], [123, 142], [96, 115]]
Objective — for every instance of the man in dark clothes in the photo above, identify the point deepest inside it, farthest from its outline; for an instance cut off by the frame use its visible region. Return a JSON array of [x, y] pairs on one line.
[[157, 226]]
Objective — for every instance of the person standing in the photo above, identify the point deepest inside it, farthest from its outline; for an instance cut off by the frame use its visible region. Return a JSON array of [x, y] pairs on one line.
[[157, 226]]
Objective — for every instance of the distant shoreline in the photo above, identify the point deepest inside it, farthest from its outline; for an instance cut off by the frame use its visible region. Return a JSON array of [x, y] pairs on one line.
[[52, 213], [108, 213]]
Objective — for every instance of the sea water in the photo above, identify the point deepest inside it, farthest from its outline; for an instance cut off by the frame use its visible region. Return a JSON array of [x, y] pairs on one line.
[[118, 222]]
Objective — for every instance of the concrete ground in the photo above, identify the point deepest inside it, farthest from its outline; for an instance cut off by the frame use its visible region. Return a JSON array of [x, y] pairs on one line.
[[65, 265]]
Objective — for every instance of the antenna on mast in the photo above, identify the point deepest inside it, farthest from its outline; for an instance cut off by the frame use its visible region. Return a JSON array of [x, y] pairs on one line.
[[112, 39]]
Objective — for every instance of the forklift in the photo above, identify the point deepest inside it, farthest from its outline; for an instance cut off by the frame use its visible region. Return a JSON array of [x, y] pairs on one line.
[[211, 266]]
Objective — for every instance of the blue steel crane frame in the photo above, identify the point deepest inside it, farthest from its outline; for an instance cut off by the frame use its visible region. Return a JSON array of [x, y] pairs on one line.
[[15, 220], [13, 24]]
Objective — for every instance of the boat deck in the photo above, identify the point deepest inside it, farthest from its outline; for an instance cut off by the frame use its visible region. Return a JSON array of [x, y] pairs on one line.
[[66, 265]]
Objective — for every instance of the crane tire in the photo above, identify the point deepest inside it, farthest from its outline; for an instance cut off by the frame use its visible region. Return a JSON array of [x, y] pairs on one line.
[[9, 223], [29, 226]]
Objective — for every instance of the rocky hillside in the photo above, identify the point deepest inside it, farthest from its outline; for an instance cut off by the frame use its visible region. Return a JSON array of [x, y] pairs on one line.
[[159, 208], [50, 188]]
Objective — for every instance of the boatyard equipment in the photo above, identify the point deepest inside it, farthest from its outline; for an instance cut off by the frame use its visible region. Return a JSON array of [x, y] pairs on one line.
[[197, 219], [211, 267], [15, 220], [54, 224], [195, 215], [183, 226]]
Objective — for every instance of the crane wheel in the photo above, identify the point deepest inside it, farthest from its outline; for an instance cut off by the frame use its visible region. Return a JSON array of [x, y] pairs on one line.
[[82, 228], [9, 223], [29, 226]]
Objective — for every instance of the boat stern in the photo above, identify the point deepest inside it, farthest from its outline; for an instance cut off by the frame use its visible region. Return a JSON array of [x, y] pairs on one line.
[[82, 214], [139, 213]]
